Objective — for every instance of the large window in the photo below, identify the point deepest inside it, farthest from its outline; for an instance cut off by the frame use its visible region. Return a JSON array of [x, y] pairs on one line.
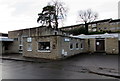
[[43, 46], [29, 48], [77, 46], [81, 45], [71, 46], [93, 25]]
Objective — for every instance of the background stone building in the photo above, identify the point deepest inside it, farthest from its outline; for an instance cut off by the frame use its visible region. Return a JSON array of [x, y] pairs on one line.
[[101, 25], [107, 25], [72, 27]]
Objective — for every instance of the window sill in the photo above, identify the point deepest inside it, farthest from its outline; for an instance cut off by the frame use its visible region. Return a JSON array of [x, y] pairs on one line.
[[20, 45], [29, 50], [44, 51], [81, 48], [20, 49], [77, 48]]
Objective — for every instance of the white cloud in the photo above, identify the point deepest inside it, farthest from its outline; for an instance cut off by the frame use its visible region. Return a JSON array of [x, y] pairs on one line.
[[19, 14]]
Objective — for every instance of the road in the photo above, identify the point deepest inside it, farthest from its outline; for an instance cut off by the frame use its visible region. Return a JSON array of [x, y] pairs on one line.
[[71, 68]]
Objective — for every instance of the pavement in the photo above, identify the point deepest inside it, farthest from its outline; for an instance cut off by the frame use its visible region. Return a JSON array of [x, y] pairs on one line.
[[94, 69], [19, 57]]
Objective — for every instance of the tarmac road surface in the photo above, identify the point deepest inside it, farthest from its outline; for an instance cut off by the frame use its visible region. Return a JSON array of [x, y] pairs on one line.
[[76, 67]]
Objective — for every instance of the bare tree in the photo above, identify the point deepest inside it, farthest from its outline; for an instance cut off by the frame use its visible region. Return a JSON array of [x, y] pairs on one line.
[[87, 16], [60, 11]]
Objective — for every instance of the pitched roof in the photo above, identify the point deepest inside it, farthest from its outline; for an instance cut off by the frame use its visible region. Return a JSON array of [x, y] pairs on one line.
[[5, 39]]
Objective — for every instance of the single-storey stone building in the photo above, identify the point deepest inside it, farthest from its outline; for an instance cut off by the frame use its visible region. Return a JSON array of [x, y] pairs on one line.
[[6, 45], [45, 42], [18, 35], [52, 46], [106, 43], [48, 43]]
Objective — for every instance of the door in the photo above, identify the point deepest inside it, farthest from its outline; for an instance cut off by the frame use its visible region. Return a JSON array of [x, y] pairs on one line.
[[100, 45]]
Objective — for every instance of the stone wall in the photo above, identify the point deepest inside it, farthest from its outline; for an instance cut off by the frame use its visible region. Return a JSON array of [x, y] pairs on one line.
[[111, 45], [37, 31], [59, 47], [64, 46], [52, 54], [0, 47], [18, 35], [92, 46]]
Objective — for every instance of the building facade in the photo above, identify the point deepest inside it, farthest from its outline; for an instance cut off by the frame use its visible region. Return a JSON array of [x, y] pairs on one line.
[[52, 46], [48, 43], [105, 43], [68, 28], [44, 42], [107, 25], [18, 35]]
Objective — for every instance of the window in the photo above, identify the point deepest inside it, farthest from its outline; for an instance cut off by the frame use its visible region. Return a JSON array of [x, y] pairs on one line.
[[94, 30], [20, 47], [44, 46], [113, 28], [81, 46], [89, 25], [118, 28], [93, 25], [105, 28], [15, 39], [77, 46], [71, 46], [99, 28], [29, 39], [29, 48], [89, 29]]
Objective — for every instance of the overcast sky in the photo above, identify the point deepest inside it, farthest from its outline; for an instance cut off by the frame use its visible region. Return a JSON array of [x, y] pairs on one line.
[[20, 14]]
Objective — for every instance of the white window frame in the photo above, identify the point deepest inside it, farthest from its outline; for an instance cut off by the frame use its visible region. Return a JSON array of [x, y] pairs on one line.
[[76, 46], [29, 39], [94, 25], [21, 47], [29, 47], [81, 45], [70, 46]]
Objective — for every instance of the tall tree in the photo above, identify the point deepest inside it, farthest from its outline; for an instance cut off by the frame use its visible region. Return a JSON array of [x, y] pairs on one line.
[[47, 16], [60, 11], [87, 16]]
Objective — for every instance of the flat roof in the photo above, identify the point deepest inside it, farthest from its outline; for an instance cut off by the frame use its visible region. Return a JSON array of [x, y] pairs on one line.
[[5, 39], [106, 35]]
